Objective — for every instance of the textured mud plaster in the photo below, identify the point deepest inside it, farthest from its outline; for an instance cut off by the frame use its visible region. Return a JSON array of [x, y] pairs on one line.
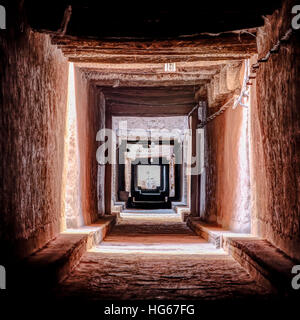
[[88, 118], [227, 170], [227, 184], [275, 137], [81, 165], [72, 192], [34, 77]]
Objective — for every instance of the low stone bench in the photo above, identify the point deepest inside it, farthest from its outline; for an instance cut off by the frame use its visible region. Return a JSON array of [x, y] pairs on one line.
[[52, 264], [211, 233], [264, 262]]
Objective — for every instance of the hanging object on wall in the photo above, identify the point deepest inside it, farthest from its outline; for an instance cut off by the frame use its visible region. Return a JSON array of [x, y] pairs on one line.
[[200, 110], [250, 74], [170, 67]]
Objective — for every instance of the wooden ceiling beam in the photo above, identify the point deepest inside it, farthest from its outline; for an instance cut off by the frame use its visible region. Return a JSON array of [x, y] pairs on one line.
[[162, 92], [183, 65], [157, 71], [98, 76], [227, 46], [241, 39], [148, 83], [141, 110], [119, 59], [151, 101]]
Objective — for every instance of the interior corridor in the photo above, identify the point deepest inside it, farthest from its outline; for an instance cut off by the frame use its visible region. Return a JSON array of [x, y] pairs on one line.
[[150, 154]]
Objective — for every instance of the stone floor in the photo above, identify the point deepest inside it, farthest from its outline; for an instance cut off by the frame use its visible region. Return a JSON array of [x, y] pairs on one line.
[[157, 257]]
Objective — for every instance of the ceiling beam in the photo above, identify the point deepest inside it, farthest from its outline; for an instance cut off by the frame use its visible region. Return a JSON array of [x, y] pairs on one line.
[[227, 46], [145, 111], [98, 76], [158, 59], [157, 71], [148, 83], [241, 39], [169, 92], [183, 65], [152, 101]]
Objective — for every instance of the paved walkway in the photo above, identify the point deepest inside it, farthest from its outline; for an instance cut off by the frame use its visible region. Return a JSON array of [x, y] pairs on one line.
[[158, 257]]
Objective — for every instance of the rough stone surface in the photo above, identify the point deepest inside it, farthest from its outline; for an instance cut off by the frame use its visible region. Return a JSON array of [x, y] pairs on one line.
[[137, 261], [275, 138], [34, 77], [51, 264], [268, 265]]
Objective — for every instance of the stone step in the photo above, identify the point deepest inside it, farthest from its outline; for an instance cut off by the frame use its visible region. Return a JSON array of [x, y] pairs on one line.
[[211, 233], [182, 209], [118, 207]]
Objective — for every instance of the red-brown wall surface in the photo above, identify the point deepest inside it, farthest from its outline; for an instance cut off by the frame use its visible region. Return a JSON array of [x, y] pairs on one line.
[[227, 172], [34, 76], [88, 117], [275, 137]]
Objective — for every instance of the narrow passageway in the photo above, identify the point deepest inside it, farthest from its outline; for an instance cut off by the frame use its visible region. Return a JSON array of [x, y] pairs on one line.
[[158, 257], [150, 154]]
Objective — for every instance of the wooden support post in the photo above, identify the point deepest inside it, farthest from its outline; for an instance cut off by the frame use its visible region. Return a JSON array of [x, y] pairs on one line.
[[195, 186]]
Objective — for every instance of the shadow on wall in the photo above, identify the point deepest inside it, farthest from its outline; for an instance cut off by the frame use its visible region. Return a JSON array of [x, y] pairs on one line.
[[34, 79]]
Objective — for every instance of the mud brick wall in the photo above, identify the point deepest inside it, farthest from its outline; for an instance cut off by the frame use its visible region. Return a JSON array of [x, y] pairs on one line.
[[227, 181], [88, 117], [275, 127], [33, 99]]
